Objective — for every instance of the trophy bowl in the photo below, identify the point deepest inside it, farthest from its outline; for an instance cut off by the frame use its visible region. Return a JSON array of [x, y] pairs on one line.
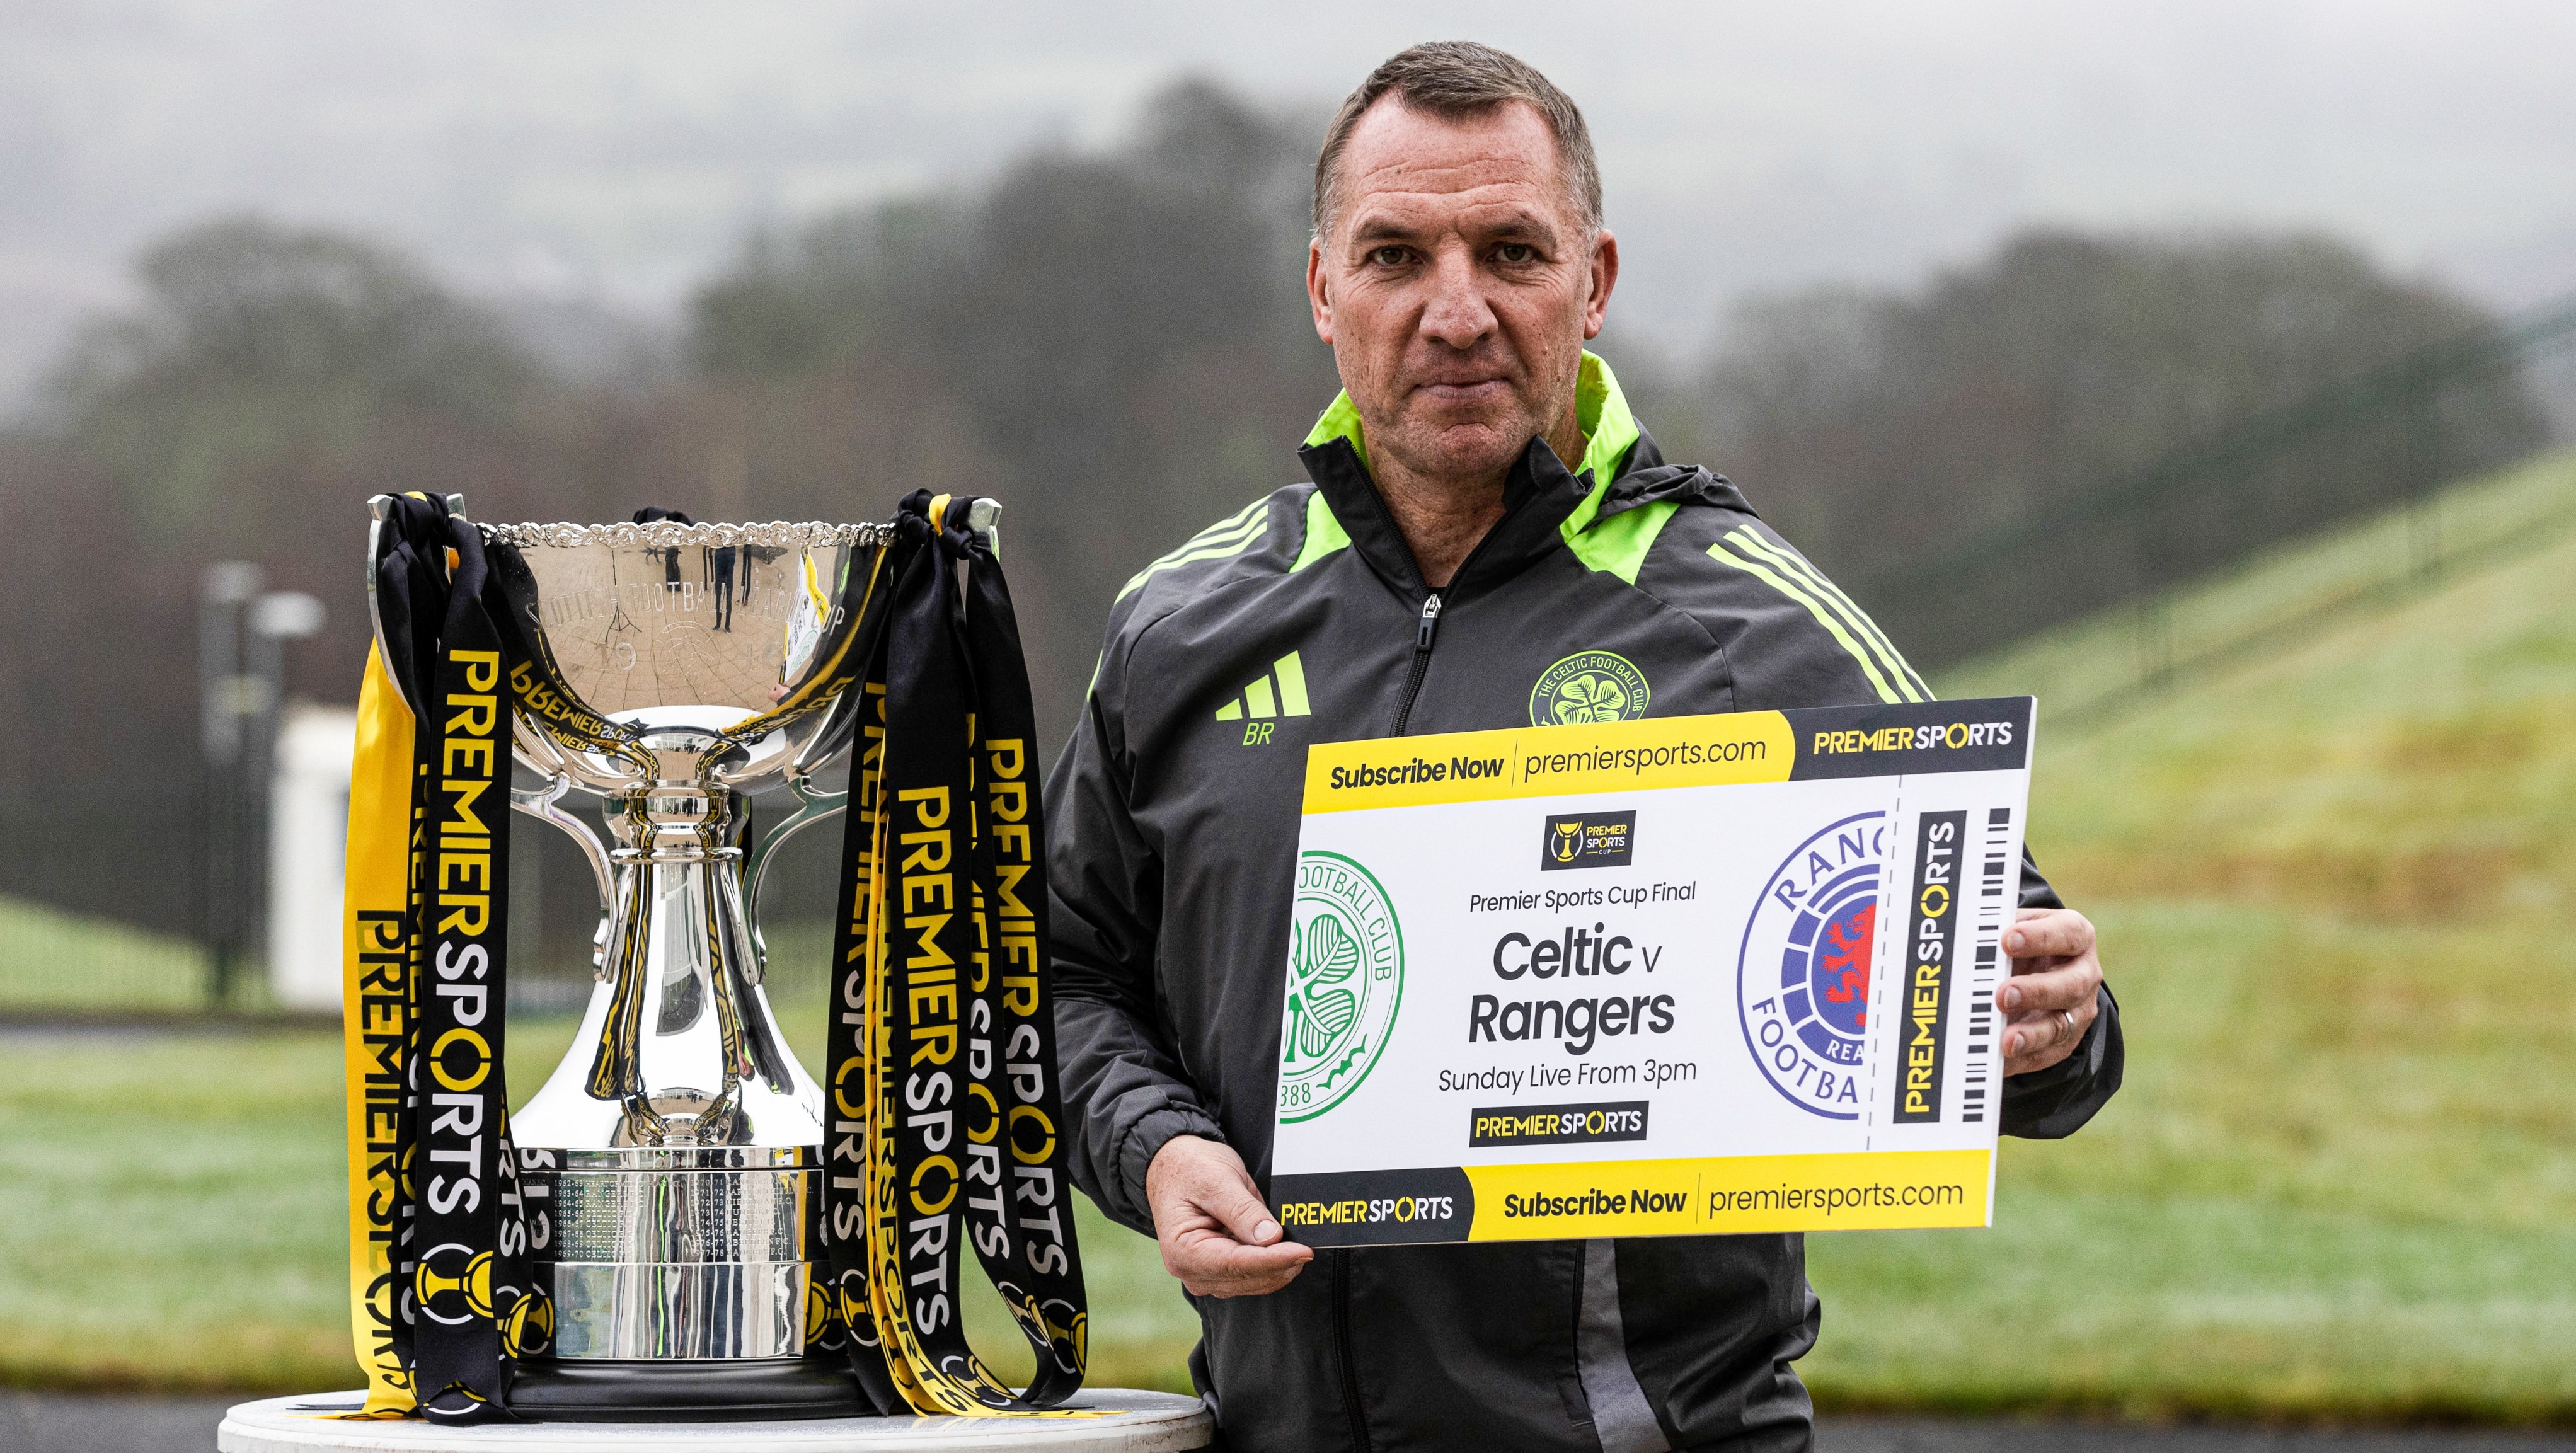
[[669, 1164]]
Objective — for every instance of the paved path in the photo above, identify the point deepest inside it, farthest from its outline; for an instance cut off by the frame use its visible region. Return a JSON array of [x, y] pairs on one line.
[[53, 1423], [1930, 1436]]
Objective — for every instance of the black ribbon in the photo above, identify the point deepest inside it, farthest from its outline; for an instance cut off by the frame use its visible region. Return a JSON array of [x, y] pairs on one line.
[[941, 945], [1027, 1240], [848, 1321], [461, 1238]]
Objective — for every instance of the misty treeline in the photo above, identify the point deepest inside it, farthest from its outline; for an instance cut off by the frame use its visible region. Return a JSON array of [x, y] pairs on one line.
[[1116, 345], [2074, 421]]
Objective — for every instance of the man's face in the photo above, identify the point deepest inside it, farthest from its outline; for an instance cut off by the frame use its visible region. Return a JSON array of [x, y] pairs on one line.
[[1458, 286]]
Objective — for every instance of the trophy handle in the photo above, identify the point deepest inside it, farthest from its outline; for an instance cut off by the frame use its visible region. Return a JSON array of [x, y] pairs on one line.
[[812, 807], [539, 803], [378, 507], [840, 721], [983, 516]]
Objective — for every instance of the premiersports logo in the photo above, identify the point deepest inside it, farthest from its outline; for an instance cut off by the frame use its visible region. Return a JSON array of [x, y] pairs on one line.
[[1277, 692], [1359, 1208], [1589, 686], [1802, 975], [1588, 840], [1557, 1124], [1345, 976], [1930, 947]]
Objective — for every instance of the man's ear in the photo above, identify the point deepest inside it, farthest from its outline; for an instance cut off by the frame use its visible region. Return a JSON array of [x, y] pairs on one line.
[[1319, 292], [1605, 276]]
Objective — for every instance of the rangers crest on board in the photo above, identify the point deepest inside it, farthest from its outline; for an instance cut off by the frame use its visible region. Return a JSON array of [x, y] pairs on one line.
[[1802, 975]]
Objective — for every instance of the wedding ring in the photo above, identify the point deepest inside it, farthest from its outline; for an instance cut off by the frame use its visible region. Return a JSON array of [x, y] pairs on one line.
[[2066, 1024]]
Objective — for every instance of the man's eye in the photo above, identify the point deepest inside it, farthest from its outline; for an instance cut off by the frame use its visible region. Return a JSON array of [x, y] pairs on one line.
[[1387, 256], [1516, 252]]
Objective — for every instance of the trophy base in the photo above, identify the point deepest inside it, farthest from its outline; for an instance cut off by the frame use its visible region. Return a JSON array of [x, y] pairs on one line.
[[602, 1390], [1120, 1420]]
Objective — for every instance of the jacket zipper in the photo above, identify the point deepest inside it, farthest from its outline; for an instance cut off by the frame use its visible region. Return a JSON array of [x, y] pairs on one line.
[[1430, 627], [1428, 624], [1426, 631], [1342, 1342]]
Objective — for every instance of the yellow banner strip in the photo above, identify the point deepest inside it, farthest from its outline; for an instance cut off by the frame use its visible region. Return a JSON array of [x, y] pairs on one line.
[[1672, 751], [374, 1000], [1854, 1191]]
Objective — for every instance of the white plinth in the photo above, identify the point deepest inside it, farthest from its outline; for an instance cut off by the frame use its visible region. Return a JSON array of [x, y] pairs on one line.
[[1144, 1422]]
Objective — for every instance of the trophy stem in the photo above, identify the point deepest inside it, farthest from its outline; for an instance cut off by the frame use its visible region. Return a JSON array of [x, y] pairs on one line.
[[675, 1150]]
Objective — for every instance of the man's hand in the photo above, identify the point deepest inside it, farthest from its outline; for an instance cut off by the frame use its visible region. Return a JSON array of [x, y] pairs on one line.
[[1217, 1236], [2054, 991]]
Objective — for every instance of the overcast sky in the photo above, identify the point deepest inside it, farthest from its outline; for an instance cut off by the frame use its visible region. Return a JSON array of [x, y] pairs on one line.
[[616, 152]]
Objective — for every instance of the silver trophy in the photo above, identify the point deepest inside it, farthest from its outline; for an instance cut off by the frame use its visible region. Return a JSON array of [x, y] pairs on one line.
[[674, 1152]]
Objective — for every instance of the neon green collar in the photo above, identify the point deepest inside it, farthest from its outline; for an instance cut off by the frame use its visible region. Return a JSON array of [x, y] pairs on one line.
[[1609, 429]]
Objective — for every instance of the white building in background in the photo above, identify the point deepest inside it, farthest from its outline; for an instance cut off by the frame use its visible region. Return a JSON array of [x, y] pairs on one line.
[[308, 837]]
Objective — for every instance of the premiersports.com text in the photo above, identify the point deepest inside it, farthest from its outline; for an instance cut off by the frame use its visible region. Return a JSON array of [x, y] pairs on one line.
[[1643, 759]]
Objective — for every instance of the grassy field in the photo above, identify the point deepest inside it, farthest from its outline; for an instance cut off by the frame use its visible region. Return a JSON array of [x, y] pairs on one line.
[[2101, 661], [51, 961], [147, 1240], [2334, 888]]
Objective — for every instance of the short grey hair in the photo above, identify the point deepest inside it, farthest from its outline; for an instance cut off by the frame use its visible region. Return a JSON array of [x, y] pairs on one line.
[[1454, 79]]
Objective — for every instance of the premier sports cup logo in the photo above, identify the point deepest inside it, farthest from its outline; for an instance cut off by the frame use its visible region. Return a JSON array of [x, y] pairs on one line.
[[453, 1284], [1802, 975], [1603, 839], [1345, 976]]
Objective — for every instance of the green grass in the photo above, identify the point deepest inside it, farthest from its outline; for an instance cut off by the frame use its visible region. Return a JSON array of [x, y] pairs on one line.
[[2101, 660], [51, 961], [151, 1239], [2334, 890], [2317, 1195]]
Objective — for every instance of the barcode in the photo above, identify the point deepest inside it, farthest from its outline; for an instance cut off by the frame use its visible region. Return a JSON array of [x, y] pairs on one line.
[[1985, 930]]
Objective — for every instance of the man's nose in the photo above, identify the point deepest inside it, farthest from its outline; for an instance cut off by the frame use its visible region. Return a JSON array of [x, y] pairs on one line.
[[1456, 313]]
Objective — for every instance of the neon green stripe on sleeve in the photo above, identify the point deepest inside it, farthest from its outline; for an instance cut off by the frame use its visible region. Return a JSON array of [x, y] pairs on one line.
[[1814, 608], [1790, 565], [1229, 537]]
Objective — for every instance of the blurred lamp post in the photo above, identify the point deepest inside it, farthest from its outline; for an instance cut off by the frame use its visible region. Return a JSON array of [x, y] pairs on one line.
[[241, 667]]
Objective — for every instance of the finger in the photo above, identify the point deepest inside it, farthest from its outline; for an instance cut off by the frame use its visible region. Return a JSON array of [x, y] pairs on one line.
[[2046, 1033], [2071, 986], [2049, 932], [1216, 1256], [2035, 1047], [1214, 1260], [2037, 1059], [1236, 1202], [2039, 1033], [1258, 1287]]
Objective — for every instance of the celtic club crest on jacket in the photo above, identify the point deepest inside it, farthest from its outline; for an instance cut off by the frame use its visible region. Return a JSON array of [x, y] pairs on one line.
[[1802, 976], [1589, 686], [1345, 975]]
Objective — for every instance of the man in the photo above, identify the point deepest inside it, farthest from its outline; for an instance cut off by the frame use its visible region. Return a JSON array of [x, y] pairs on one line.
[[1483, 508]]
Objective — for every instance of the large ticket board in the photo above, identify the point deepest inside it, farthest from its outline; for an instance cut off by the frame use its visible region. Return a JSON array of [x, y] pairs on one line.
[[1679, 976]]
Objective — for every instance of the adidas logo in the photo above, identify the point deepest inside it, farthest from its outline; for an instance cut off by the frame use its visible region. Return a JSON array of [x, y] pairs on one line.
[[1262, 700]]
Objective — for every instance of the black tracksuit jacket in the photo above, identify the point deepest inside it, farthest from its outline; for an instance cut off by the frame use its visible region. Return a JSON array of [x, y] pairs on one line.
[[1173, 819]]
